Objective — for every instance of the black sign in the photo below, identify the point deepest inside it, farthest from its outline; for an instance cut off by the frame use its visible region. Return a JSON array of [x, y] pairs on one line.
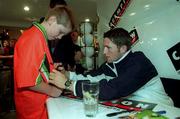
[[130, 104], [174, 55]]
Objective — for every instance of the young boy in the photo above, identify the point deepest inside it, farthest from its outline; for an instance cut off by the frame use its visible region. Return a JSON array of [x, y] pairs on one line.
[[33, 62]]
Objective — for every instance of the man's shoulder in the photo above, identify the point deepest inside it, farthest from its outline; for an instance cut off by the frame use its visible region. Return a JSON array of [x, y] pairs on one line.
[[137, 54], [140, 58]]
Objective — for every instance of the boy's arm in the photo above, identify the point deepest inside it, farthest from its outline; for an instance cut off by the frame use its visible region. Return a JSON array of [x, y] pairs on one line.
[[48, 89]]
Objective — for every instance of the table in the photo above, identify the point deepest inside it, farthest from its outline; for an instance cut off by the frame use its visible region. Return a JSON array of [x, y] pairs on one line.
[[65, 108]]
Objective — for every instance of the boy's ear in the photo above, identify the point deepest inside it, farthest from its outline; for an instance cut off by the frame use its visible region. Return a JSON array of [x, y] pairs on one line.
[[51, 20]]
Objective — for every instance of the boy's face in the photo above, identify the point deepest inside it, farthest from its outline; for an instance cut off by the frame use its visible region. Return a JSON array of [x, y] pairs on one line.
[[58, 30]]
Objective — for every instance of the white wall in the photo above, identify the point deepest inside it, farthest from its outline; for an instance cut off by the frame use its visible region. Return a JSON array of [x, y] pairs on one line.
[[158, 27]]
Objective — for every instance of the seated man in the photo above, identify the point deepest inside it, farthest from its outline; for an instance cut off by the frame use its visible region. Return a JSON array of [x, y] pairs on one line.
[[124, 74]]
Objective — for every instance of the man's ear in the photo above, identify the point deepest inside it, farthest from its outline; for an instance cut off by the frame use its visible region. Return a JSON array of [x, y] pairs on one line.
[[123, 48], [51, 20]]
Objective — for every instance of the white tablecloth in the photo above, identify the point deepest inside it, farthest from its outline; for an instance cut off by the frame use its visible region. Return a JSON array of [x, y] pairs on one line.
[[64, 108]]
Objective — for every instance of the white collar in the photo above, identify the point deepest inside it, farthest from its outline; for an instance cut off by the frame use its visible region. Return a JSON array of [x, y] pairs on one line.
[[122, 57], [114, 69]]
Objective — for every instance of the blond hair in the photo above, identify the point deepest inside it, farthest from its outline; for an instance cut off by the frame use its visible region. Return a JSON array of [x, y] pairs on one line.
[[63, 15]]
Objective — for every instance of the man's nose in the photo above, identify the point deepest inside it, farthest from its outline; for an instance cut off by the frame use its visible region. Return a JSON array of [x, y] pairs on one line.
[[105, 51]]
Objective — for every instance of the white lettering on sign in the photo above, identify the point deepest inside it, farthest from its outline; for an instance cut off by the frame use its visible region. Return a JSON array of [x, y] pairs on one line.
[[174, 56], [144, 106]]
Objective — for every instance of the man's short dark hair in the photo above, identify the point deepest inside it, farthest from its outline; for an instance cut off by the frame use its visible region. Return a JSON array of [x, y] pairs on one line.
[[119, 36]]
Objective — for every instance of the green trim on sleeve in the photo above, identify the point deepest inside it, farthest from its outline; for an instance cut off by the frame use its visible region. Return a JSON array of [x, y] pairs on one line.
[[39, 79], [44, 72]]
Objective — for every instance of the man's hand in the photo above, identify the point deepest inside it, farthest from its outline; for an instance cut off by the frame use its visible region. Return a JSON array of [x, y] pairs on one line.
[[59, 67], [58, 79], [57, 64]]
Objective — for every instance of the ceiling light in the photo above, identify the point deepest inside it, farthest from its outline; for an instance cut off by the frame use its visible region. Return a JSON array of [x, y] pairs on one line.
[[21, 31], [87, 20], [26, 8], [146, 6], [155, 38], [149, 23], [132, 14]]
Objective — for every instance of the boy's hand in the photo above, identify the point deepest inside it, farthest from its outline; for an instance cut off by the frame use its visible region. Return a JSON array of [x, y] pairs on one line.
[[58, 79]]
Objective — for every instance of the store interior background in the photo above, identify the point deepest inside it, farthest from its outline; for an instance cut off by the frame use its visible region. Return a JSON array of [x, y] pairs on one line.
[[156, 22]]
